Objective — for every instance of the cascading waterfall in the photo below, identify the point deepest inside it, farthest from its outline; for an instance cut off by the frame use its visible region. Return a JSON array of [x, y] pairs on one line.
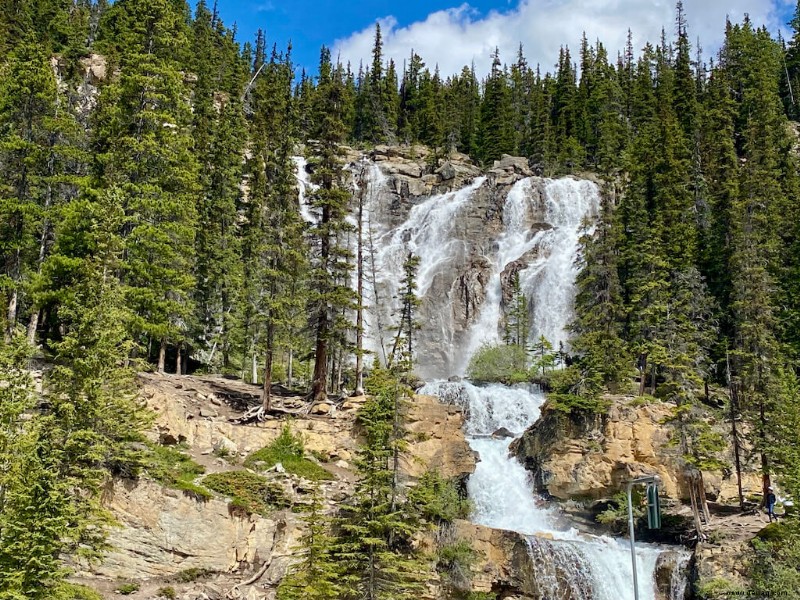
[[568, 564], [304, 186], [548, 278], [542, 221]]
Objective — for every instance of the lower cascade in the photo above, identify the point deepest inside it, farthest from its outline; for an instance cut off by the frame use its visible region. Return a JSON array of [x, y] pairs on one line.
[[567, 564]]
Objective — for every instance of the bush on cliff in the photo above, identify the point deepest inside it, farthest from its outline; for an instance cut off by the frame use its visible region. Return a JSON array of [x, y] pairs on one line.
[[499, 364]]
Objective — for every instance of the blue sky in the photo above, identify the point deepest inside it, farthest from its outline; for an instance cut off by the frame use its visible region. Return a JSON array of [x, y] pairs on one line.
[[453, 33]]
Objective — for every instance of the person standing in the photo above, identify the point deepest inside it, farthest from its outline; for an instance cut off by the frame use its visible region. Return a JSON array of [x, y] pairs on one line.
[[771, 500]]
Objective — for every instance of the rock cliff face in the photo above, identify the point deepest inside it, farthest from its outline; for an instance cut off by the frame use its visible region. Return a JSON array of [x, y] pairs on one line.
[[162, 533], [588, 456]]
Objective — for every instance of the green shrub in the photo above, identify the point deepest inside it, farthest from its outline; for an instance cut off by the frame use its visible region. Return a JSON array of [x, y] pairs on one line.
[[571, 403], [73, 591], [438, 500], [173, 468], [128, 588], [774, 571], [288, 450], [716, 588], [193, 574], [249, 492], [167, 592], [616, 515], [499, 364]]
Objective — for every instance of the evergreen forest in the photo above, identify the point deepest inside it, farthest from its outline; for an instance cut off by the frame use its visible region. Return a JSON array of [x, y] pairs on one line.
[[149, 221]]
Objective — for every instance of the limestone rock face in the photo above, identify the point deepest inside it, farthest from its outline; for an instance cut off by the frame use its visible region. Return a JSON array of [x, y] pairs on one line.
[[593, 457], [728, 562], [163, 532], [436, 440], [503, 563]]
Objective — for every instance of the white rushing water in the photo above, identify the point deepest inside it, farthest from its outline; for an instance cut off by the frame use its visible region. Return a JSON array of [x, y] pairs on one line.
[[568, 564], [548, 278], [304, 187]]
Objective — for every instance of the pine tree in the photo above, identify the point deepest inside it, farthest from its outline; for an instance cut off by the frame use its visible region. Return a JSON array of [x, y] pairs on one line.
[[517, 326], [316, 576], [28, 105], [330, 294], [599, 311], [274, 250], [377, 526], [402, 355], [496, 135]]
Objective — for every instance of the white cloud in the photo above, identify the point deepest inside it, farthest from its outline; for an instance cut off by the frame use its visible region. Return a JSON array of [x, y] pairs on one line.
[[458, 36]]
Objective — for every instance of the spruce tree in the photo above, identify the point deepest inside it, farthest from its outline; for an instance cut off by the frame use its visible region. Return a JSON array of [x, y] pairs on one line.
[[496, 134], [330, 267], [317, 574]]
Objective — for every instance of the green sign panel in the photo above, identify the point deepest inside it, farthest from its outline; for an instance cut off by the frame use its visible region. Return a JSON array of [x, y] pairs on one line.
[[653, 507]]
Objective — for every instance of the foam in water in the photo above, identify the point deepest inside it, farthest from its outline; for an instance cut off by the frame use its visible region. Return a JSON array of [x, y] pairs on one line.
[[427, 233]]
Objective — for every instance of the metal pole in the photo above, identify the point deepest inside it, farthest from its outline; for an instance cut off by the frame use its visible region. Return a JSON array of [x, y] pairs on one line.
[[633, 544]]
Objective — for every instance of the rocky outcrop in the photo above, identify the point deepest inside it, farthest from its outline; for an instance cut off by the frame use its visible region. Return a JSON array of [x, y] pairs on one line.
[[184, 414], [509, 170], [727, 562], [162, 532], [414, 171], [502, 563], [593, 456], [436, 441]]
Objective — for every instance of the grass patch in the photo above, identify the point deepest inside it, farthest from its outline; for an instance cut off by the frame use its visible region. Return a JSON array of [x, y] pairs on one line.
[[167, 592], [128, 588], [73, 591], [288, 450], [173, 468], [249, 492]]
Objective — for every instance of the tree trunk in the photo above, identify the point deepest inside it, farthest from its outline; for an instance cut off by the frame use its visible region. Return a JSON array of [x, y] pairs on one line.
[[765, 476], [289, 366], [266, 395], [734, 401], [696, 511], [162, 355], [11, 316], [254, 369], [178, 361], [33, 325], [642, 373], [375, 295], [654, 375], [320, 381]]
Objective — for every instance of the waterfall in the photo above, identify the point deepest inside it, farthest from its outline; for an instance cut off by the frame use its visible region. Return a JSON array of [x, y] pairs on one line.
[[304, 186], [548, 275], [461, 242], [567, 563]]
